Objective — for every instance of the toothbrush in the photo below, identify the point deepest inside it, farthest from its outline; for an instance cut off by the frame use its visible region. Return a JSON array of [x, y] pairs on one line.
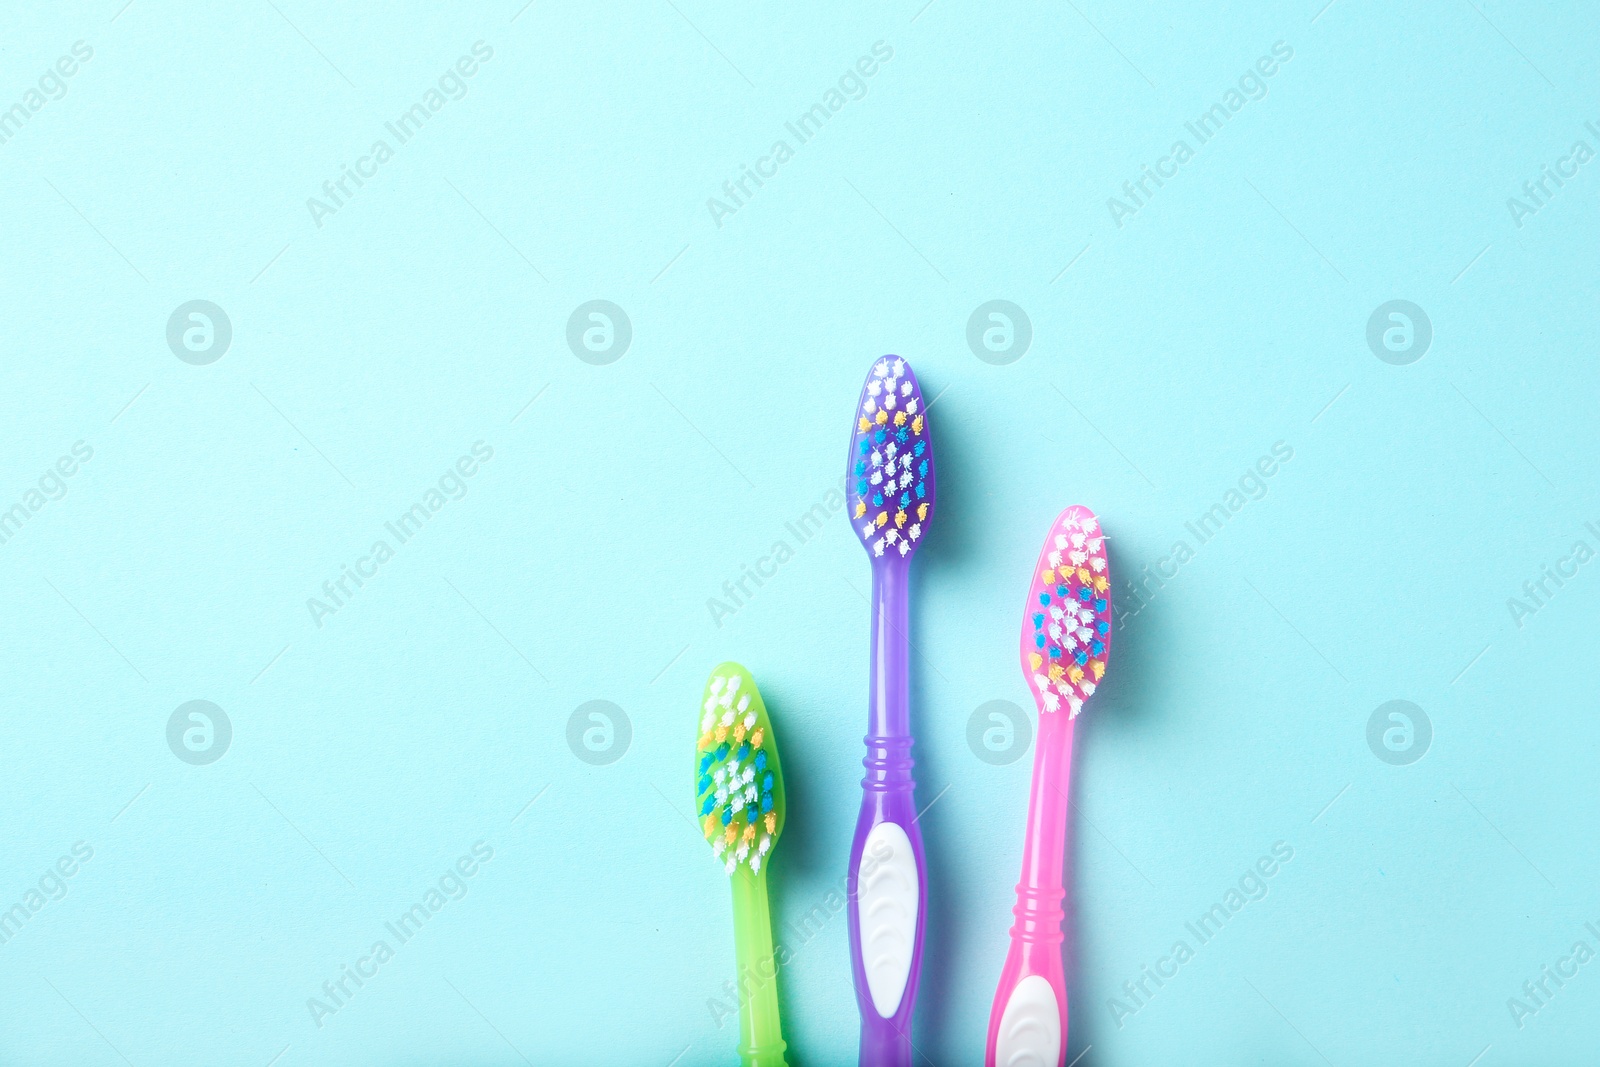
[[1066, 640], [739, 797], [890, 483]]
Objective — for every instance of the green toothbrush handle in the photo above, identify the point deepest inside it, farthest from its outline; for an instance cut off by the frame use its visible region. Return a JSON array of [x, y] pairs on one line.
[[761, 1041]]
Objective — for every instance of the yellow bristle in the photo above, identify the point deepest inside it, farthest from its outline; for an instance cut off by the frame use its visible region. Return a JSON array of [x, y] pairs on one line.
[[1056, 672], [899, 518], [755, 738], [861, 508], [750, 832], [883, 517], [922, 512], [1035, 660], [1049, 576], [916, 424], [1100, 584], [738, 731], [772, 822], [865, 422], [710, 826], [732, 832], [1099, 669], [705, 740], [899, 418], [1083, 574], [1076, 674], [722, 733], [883, 417]]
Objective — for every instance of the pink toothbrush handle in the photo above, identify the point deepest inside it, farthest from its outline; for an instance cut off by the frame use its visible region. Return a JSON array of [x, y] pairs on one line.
[[1028, 1023]]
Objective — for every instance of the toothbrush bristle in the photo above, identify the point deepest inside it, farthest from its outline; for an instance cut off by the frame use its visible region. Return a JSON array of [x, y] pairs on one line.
[[889, 475], [1066, 629], [738, 781]]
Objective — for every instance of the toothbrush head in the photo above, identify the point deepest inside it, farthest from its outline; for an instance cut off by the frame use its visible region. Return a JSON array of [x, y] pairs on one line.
[[1066, 629], [889, 474], [739, 797]]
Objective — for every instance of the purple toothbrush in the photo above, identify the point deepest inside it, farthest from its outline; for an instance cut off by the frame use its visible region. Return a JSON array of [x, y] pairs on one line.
[[890, 497]]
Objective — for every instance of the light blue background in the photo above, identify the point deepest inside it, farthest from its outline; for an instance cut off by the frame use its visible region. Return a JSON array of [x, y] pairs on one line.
[[370, 353]]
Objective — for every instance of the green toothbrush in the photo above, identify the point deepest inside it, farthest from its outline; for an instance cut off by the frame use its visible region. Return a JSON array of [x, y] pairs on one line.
[[739, 795]]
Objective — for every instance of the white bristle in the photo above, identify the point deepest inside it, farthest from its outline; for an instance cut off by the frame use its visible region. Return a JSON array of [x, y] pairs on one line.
[[867, 528], [744, 704], [891, 536], [718, 846], [1077, 540], [888, 402], [1055, 559], [905, 546], [893, 450], [1041, 681], [766, 843], [1091, 524], [877, 458], [916, 530], [899, 367], [750, 719], [874, 388], [881, 368], [905, 390], [716, 684], [1083, 633], [727, 718], [755, 864], [877, 478], [721, 794], [1086, 688], [733, 684], [1098, 564], [708, 721], [877, 547], [742, 851], [911, 406], [1077, 558], [1076, 705], [1051, 701], [718, 773], [730, 865], [905, 480]]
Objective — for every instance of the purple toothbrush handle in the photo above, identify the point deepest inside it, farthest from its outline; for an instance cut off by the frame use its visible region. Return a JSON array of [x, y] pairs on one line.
[[888, 885]]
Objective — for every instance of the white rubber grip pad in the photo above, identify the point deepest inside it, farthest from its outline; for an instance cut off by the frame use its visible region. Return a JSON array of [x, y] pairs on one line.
[[1030, 1027], [886, 900]]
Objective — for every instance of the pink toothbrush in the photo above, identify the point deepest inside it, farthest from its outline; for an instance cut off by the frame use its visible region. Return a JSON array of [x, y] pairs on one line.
[[1066, 640]]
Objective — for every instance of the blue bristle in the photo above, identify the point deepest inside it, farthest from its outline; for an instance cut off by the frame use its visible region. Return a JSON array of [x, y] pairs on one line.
[[761, 759], [1044, 598], [1061, 591], [727, 816], [861, 487], [921, 490], [900, 435], [1055, 653], [722, 752], [905, 498], [1085, 594], [922, 469], [1099, 605], [878, 437], [766, 803], [705, 809], [861, 467], [1082, 658], [877, 500], [1098, 647], [705, 762], [766, 783], [1038, 622], [702, 785], [866, 446], [744, 750], [920, 446], [1103, 626], [1038, 640], [752, 813]]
